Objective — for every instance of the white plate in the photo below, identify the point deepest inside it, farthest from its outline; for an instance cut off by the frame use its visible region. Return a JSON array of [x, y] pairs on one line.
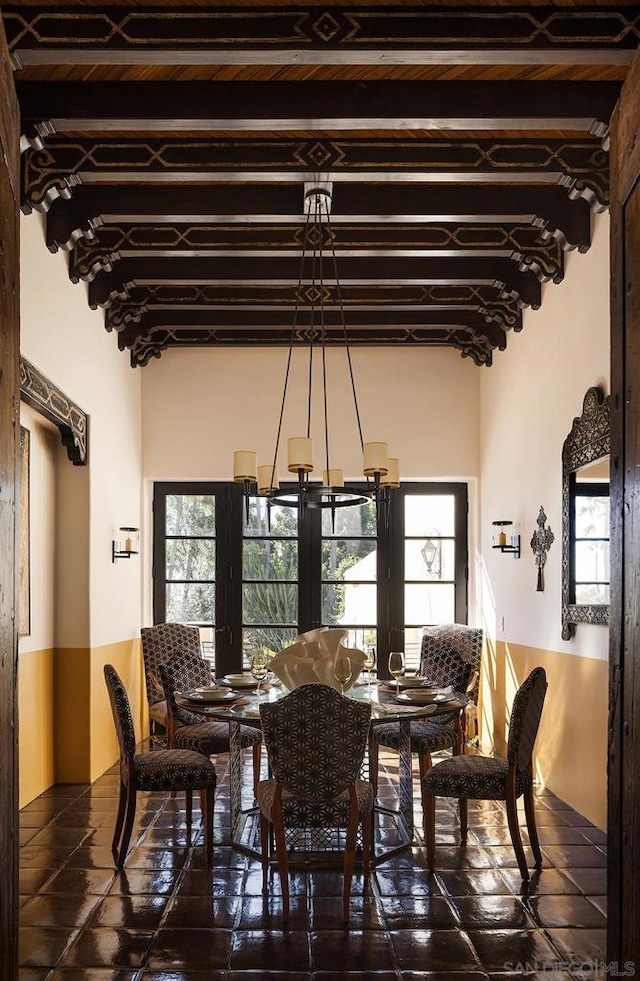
[[239, 680], [210, 695], [411, 681], [416, 696]]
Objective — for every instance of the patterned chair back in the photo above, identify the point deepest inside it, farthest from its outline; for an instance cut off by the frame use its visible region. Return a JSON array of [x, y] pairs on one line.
[[315, 741], [121, 711], [450, 654], [165, 642], [187, 672], [525, 719]]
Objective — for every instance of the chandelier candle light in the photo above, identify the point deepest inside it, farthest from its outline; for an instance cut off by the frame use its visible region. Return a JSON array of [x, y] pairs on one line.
[[381, 471]]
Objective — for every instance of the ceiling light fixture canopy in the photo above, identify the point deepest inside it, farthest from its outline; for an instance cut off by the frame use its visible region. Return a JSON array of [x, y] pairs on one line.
[[381, 470]]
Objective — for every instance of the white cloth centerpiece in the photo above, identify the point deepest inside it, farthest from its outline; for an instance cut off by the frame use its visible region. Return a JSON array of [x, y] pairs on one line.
[[311, 659]]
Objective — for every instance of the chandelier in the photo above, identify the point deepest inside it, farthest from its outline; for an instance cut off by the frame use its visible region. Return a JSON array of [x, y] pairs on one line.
[[380, 470]]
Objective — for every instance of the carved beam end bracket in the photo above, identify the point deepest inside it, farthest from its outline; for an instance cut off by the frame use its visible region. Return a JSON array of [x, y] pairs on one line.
[[47, 399]]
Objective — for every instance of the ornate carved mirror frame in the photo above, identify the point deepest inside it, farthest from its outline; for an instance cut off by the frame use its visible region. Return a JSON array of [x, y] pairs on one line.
[[588, 441]]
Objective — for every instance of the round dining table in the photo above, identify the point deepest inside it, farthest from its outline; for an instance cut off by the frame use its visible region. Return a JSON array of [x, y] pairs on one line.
[[385, 708]]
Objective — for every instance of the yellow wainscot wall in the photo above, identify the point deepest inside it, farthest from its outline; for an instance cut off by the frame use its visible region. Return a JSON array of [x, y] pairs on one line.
[[35, 723], [571, 750], [126, 658], [66, 731]]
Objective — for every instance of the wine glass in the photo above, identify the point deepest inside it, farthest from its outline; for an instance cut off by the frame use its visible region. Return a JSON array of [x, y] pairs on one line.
[[396, 667], [259, 667], [342, 671], [369, 663]]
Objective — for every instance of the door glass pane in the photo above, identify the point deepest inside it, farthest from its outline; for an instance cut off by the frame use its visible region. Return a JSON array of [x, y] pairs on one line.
[[190, 514], [429, 559], [429, 603], [284, 521], [269, 603], [348, 603], [349, 559], [351, 521], [270, 560], [412, 644], [190, 558], [273, 638], [429, 514], [190, 603]]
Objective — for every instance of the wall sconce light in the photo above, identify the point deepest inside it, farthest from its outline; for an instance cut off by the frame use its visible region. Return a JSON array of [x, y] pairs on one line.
[[513, 548], [126, 543]]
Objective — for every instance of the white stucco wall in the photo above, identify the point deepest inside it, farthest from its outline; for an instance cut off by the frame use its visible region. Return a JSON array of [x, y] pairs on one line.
[[528, 401], [67, 341], [201, 405]]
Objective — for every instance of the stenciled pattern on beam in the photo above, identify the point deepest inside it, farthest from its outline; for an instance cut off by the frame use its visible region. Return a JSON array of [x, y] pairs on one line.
[[525, 244], [46, 398], [580, 165], [348, 27], [495, 308], [464, 338]]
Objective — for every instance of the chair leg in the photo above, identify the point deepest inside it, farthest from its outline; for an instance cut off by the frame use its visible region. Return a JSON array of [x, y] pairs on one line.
[[189, 800], [206, 798], [257, 758], [464, 820], [373, 764], [281, 855], [429, 817], [425, 763], [349, 855], [514, 830], [264, 848], [122, 804], [530, 813], [367, 842], [128, 825]]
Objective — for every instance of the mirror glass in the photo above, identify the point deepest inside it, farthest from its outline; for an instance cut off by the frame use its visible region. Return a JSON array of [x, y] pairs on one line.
[[590, 520], [585, 516]]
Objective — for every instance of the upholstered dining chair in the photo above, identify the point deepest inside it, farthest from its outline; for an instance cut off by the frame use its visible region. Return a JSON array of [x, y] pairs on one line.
[[188, 730], [164, 769], [432, 735], [488, 778], [442, 648], [161, 643], [315, 740]]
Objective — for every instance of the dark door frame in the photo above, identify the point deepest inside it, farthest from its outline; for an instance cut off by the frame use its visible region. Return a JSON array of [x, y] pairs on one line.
[[623, 885]]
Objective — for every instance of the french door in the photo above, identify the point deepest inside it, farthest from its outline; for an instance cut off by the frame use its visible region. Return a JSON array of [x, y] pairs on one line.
[[252, 578]]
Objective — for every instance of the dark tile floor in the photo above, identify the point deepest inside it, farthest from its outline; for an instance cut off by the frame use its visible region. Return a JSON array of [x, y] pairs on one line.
[[167, 917]]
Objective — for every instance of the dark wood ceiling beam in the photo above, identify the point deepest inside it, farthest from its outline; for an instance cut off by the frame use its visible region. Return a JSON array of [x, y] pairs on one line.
[[548, 208], [369, 272], [580, 165], [485, 300], [186, 317], [522, 243], [471, 343], [394, 34], [142, 107]]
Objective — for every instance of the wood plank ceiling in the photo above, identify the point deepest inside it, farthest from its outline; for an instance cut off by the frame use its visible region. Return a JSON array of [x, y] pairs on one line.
[[169, 144]]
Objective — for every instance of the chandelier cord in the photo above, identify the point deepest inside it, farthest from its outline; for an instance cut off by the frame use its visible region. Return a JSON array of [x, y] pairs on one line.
[[296, 310], [344, 329], [312, 319], [324, 349]]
